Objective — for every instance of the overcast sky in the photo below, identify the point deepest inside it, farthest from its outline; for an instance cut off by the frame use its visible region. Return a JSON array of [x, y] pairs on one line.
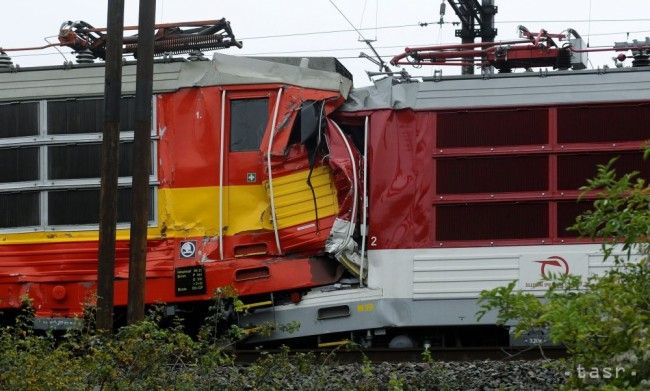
[[255, 22]]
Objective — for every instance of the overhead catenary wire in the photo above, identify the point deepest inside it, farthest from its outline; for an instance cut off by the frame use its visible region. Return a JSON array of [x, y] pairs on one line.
[[337, 49], [363, 12], [425, 24], [589, 25], [574, 20], [620, 32], [376, 17], [324, 32], [348, 20], [330, 50], [380, 62]]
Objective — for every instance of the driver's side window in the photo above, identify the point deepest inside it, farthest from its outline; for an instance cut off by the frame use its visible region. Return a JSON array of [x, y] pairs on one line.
[[248, 119]]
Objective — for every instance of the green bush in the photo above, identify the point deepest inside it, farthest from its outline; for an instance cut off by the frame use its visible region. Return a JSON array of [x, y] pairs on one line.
[[604, 322], [144, 356]]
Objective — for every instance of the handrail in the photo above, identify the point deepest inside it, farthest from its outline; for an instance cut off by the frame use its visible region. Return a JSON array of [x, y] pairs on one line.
[[364, 219], [221, 153], [268, 164]]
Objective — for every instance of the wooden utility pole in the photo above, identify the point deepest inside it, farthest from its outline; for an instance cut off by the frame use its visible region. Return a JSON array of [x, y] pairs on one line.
[[108, 190], [141, 161]]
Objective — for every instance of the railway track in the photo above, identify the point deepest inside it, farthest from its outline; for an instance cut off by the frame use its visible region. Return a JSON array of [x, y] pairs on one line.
[[340, 355]]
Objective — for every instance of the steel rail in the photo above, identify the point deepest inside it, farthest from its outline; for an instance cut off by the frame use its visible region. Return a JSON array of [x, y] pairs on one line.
[[340, 355]]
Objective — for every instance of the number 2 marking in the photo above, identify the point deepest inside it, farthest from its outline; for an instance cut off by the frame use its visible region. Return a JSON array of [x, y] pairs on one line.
[[373, 241]]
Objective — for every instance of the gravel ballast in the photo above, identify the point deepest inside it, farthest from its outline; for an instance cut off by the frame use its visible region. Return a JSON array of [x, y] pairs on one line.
[[297, 374]]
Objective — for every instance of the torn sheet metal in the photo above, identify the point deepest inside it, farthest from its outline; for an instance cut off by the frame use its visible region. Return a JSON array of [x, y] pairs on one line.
[[342, 166], [345, 161], [291, 104], [344, 248], [228, 70], [384, 94]]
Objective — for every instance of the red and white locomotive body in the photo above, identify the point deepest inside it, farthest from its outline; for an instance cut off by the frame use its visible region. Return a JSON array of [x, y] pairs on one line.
[[263, 179], [472, 183]]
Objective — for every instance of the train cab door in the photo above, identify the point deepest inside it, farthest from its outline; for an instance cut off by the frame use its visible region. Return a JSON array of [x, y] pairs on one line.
[[247, 226]]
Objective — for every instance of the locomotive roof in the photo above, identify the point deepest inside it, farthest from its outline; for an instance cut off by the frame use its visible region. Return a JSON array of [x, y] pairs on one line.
[[88, 80], [503, 90]]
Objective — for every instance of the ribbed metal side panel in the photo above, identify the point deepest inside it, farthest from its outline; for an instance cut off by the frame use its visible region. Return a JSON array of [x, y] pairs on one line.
[[436, 277], [575, 169], [628, 122], [597, 266], [491, 174], [567, 212], [490, 128], [514, 220]]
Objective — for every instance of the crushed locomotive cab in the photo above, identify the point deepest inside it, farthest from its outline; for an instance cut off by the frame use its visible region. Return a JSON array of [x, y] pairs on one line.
[[245, 191]]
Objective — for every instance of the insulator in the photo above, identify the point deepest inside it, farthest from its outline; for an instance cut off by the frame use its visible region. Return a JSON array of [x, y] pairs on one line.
[[85, 57], [5, 61], [641, 60], [167, 57], [196, 55], [640, 53], [442, 8]]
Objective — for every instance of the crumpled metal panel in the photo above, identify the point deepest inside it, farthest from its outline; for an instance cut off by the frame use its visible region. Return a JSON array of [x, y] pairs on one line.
[[225, 70], [341, 164], [385, 93], [344, 248], [402, 187], [294, 202], [344, 162], [475, 91]]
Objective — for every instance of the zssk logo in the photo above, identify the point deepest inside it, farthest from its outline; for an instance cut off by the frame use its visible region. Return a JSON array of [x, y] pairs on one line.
[[553, 265]]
